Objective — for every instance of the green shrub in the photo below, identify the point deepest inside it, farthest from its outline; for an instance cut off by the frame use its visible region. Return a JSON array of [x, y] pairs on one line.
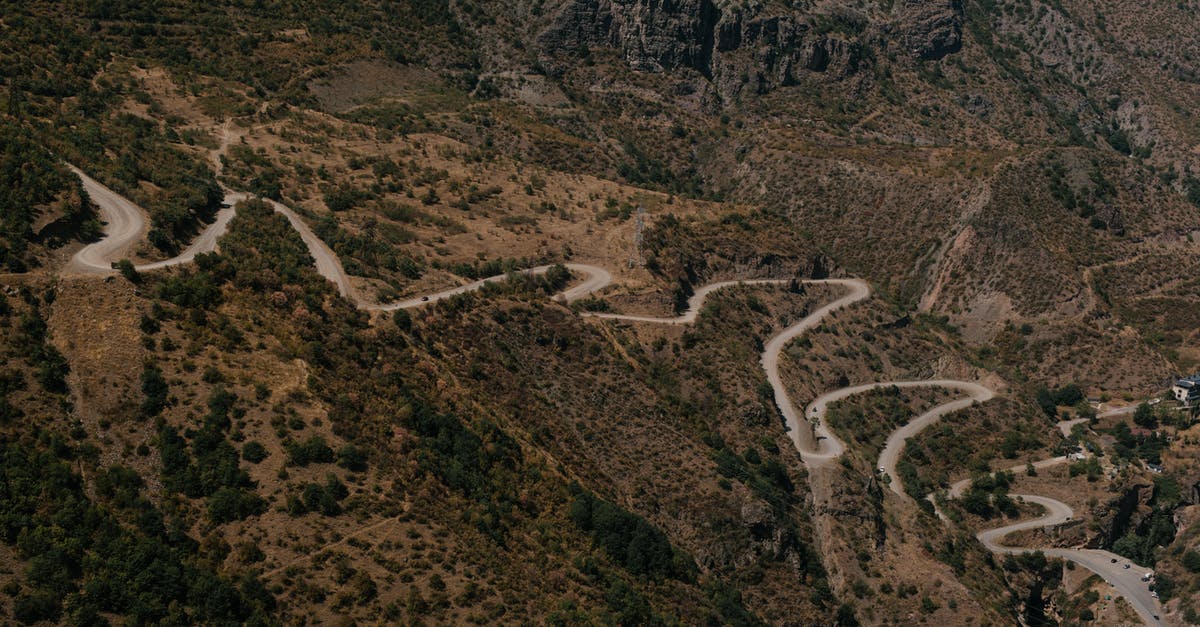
[[254, 452], [314, 450]]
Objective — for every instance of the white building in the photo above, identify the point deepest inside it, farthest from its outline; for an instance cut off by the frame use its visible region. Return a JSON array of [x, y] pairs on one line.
[[1187, 390]]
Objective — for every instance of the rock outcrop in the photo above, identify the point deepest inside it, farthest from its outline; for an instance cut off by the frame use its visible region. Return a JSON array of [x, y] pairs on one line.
[[931, 29]]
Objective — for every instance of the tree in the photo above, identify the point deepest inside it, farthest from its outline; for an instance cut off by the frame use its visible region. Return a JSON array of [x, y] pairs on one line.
[[402, 320], [1191, 561], [1144, 416], [352, 458], [254, 452], [154, 388], [977, 502]]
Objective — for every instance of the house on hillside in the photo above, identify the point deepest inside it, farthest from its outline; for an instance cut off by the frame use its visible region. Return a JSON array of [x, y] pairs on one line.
[[1187, 390]]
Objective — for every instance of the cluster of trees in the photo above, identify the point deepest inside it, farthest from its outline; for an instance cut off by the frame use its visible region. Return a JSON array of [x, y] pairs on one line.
[[256, 172], [154, 390], [346, 197], [1128, 446], [548, 283], [10, 381], [648, 170], [363, 254], [988, 495], [317, 497], [870, 417], [186, 192], [113, 554], [314, 450], [1142, 542], [1051, 399], [765, 476], [33, 181], [492, 267], [50, 367], [206, 465], [261, 253], [458, 455], [629, 539]]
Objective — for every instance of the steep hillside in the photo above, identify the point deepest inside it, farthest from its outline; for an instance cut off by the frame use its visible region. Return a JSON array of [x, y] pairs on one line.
[[280, 429]]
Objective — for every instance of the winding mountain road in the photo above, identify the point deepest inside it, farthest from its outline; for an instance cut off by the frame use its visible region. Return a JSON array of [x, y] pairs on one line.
[[1110, 566], [695, 302], [890, 456], [125, 224], [597, 278]]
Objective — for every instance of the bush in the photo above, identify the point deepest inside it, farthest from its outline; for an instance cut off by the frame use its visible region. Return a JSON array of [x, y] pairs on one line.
[[125, 267], [51, 368], [37, 607], [352, 458], [1191, 561], [1144, 416], [314, 497], [230, 504], [312, 451], [254, 452]]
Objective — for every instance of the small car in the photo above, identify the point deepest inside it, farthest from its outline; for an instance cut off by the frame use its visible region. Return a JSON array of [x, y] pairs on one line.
[[424, 299]]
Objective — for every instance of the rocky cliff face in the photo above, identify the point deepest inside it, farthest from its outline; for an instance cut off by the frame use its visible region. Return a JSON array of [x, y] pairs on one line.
[[931, 29], [652, 35], [739, 47]]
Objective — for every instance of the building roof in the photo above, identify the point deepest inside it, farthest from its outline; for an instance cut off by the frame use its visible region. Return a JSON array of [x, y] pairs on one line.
[[1187, 382]]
